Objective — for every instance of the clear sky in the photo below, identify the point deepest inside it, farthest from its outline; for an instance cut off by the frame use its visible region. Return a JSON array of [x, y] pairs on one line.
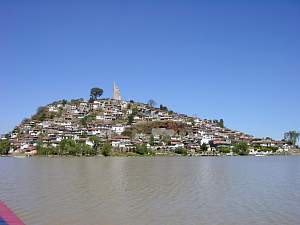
[[236, 60]]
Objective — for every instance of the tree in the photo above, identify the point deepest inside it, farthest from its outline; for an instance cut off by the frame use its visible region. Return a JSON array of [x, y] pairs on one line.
[[96, 92], [106, 149], [135, 111], [192, 121], [221, 123], [4, 147], [151, 140], [241, 148], [41, 109], [25, 120], [292, 137], [203, 147], [164, 108], [141, 149], [87, 119], [181, 151], [152, 103], [40, 114], [130, 119], [64, 102], [166, 139], [84, 150], [224, 149], [67, 146], [96, 141], [43, 149]]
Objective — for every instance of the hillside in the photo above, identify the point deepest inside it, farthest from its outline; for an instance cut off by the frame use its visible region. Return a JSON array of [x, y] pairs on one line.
[[126, 127]]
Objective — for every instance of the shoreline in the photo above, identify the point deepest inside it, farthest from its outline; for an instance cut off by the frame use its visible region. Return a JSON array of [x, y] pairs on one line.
[[133, 155]]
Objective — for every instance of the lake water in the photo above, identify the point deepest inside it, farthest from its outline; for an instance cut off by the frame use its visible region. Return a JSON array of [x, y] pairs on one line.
[[154, 191]]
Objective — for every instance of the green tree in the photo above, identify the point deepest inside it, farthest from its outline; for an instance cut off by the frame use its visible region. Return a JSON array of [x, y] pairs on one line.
[[87, 119], [192, 121], [181, 151], [151, 140], [64, 102], [292, 137], [4, 147], [25, 120], [141, 149], [40, 148], [224, 149], [164, 108], [135, 111], [97, 143], [106, 149], [241, 148], [166, 139], [41, 109], [203, 147], [84, 150], [152, 103], [66, 146], [96, 92], [41, 114], [128, 132], [130, 119], [221, 123]]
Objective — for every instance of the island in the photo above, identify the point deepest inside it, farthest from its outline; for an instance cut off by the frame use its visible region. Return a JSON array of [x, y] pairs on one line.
[[115, 127]]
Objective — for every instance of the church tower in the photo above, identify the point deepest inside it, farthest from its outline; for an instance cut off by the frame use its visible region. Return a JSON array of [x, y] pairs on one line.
[[116, 93]]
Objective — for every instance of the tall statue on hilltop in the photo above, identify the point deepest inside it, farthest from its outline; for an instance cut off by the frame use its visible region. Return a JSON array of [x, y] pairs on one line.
[[116, 93]]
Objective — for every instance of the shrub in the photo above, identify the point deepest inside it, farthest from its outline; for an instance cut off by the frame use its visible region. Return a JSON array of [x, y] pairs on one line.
[[4, 147], [224, 150], [141, 149], [181, 151], [106, 149], [241, 148]]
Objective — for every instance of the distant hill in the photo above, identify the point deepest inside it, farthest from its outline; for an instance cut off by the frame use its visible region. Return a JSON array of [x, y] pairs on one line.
[[127, 125]]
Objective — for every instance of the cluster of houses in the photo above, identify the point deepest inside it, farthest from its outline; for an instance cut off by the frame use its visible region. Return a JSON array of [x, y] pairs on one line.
[[116, 122]]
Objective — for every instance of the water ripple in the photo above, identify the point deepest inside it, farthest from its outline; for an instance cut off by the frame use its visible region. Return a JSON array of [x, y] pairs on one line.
[[154, 191]]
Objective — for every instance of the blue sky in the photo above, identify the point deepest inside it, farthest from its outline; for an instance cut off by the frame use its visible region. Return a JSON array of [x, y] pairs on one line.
[[236, 60]]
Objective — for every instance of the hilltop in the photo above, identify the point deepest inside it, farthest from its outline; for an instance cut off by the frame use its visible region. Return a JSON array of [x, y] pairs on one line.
[[111, 126]]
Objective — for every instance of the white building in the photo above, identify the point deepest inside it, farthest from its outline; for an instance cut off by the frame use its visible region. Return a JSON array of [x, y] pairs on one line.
[[118, 129]]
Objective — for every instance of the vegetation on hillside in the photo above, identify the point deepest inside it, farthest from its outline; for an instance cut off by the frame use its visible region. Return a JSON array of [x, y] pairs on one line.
[[203, 147], [181, 151], [292, 137], [87, 119], [4, 147], [142, 150], [95, 93], [152, 103], [106, 149], [241, 148], [146, 127], [224, 150], [67, 147]]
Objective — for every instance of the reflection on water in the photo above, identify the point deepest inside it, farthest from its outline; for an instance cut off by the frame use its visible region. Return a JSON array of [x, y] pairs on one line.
[[135, 191]]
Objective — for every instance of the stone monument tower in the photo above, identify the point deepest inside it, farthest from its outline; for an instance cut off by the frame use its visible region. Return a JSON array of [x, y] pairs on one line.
[[116, 93]]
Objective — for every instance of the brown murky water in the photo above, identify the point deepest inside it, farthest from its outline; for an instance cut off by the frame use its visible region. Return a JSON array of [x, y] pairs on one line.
[[154, 191]]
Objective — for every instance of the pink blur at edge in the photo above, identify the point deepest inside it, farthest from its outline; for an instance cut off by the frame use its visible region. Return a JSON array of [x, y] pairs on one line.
[[8, 216]]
